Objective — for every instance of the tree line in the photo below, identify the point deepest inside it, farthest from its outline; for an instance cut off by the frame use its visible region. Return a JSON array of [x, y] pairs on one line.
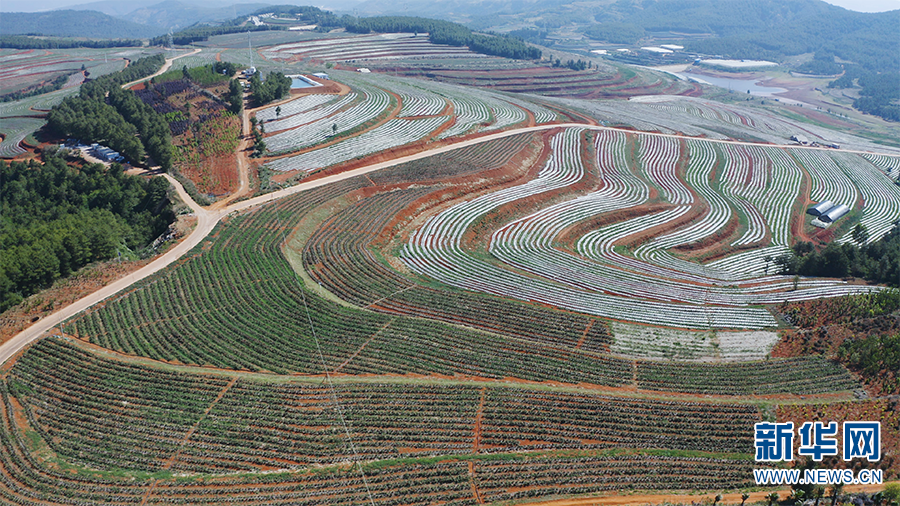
[[56, 219], [104, 112], [880, 91], [445, 32], [26, 42], [572, 64], [273, 88], [439, 32], [878, 261], [202, 33], [38, 89]]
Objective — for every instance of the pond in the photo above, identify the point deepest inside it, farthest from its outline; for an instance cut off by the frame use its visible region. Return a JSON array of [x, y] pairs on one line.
[[302, 82]]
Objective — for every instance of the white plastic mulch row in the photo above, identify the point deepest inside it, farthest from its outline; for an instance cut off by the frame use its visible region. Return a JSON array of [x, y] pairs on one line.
[[369, 47], [703, 161], [828, 179], [393, 133], [296, 106], [648, 289], [659, 156], [421, 104], [331, 108], [469, 114], [890, 165], [665, 343], [881, 196], [376, 101], [435, 250], [526, 244]]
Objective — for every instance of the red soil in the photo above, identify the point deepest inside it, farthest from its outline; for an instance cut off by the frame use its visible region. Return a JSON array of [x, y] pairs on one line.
[[217, 175]]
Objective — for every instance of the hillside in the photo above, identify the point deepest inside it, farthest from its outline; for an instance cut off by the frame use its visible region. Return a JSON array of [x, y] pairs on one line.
[[764, 28], [68, 23], [173, 14]]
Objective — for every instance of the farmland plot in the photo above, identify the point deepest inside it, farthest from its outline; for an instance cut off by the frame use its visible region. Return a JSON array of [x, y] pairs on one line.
[[24, 69], [314, 119], [14, 131], [395, 132], [266, 334], [476, 108], [313, 127], [674, 114], [368, 47], [741, 196], [223, 320], [255, 424], [297, 106], [665, 343]]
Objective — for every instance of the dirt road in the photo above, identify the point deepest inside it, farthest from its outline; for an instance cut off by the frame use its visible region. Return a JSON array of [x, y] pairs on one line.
[[166, 66]]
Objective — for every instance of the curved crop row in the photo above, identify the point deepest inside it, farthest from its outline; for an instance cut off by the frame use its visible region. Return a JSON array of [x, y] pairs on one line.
[[302, 110], [393, 133], [318, 125], [110, 415]]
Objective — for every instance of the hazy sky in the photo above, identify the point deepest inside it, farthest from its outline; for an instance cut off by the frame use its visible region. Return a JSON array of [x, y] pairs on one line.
[[867, 5], [42, 5]]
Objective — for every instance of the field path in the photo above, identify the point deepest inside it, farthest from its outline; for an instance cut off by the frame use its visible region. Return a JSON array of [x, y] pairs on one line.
[[208, 218]]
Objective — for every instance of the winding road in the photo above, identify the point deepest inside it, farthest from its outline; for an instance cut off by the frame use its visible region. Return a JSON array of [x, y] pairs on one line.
[[166, 66], [208, 218]]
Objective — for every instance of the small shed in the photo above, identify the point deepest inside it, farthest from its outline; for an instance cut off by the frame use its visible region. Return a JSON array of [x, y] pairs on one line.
[[834, 213], [820, 208], [321, 75]]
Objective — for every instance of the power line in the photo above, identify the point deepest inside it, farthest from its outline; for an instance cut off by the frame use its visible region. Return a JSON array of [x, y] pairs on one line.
[[331, 389]]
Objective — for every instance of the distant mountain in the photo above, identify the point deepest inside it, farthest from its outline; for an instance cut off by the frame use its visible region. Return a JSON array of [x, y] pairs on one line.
[[868, 5], [68, 23], [721, 17], [770, 29], [173, 14], [470, 11], [115, 8]]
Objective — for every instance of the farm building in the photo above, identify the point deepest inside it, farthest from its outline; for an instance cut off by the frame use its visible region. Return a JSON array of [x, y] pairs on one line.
[[321, 75], [106, 154], [834, 213], [820, 208]]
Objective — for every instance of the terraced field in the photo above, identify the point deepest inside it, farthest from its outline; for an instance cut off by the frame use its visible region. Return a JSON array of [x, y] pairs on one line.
[[362, 48], [130, 425], [604, 82], [330, 130], [14, 131], [20, 69], [565, 310], [654, 282], [438, 275]]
